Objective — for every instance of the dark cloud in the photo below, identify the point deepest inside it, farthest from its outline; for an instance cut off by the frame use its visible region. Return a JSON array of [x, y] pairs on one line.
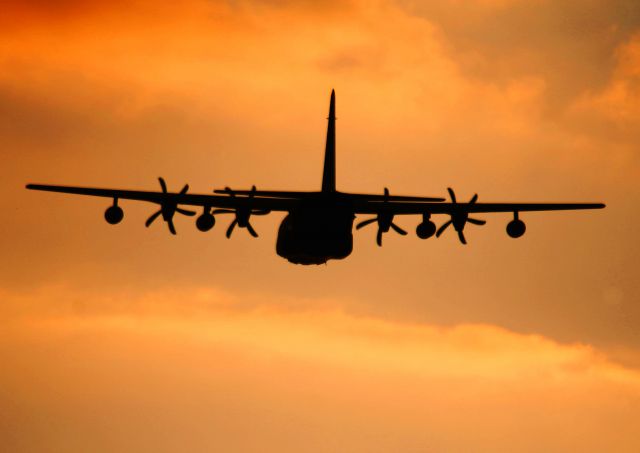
[[570, 43]]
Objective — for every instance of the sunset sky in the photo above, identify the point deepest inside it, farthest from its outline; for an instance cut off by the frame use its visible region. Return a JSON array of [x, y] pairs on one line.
[[129, 339]]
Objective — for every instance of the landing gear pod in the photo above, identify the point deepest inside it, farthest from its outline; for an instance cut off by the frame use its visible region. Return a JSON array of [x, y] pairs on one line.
[[114, 214], [516, 227]]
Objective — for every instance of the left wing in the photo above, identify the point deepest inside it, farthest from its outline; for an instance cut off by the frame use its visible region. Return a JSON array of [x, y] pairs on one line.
[[212, 201], [243, 206]]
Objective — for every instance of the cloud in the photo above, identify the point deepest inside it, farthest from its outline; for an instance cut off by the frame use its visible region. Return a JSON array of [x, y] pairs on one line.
[[201, 368], [567, 42], [221, 93], [618, 103]]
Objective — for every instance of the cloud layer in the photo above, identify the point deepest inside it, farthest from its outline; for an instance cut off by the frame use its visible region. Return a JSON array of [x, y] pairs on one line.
[[204, 370]]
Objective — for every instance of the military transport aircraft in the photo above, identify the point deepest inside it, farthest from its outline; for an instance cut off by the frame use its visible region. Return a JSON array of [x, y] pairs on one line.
[[318, 225]]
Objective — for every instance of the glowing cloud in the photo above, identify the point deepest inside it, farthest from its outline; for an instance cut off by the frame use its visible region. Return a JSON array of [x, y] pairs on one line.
[[207, 369]]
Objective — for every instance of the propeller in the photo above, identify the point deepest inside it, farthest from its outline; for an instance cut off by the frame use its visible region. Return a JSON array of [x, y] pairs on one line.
[[168, 207], [459, 217], [384, 219], [243, 213]]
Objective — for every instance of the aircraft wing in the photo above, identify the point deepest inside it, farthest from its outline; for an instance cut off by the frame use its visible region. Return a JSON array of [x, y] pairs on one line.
[[229, 201], [457, 209], [285, 201], [243, 206], [459, 214], [400, 208]]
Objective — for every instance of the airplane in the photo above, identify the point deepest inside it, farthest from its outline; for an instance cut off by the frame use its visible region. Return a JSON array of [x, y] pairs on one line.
[[318, 225]]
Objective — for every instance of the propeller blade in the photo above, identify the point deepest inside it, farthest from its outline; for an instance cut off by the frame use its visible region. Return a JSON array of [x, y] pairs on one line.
[[223, 211], [452, 194], [152, 218], [379, 238], [398, 229], [364, 223], [184, 189], [474, 199], [442, 228], [386, 192], [252, 231], [476, 221], [461, 236], [163, 184], [231, 227], [172, 228], [185, 212]]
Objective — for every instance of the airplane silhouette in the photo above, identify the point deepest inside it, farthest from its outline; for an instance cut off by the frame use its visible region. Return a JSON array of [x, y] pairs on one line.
[[318, 225]]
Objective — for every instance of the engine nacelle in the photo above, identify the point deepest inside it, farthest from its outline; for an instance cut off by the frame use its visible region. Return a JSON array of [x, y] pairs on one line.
[[113, 214], [205, 222], [426, 229], [516, 228]]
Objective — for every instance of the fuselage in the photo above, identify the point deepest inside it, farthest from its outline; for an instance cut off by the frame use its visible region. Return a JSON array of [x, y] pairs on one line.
[[320, 229]]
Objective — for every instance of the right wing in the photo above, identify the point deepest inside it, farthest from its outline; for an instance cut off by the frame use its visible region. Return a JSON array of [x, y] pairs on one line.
[[401, 208], [243, 206], [204, 200]]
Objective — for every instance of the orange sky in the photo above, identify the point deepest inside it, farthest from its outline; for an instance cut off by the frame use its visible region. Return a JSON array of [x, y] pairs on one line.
[[124, 338]]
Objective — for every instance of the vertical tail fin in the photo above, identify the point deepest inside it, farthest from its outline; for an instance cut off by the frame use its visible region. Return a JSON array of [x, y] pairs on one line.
[[329, 172]]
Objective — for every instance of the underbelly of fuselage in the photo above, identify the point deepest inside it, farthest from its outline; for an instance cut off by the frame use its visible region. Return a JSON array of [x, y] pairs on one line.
[[315, 236]]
